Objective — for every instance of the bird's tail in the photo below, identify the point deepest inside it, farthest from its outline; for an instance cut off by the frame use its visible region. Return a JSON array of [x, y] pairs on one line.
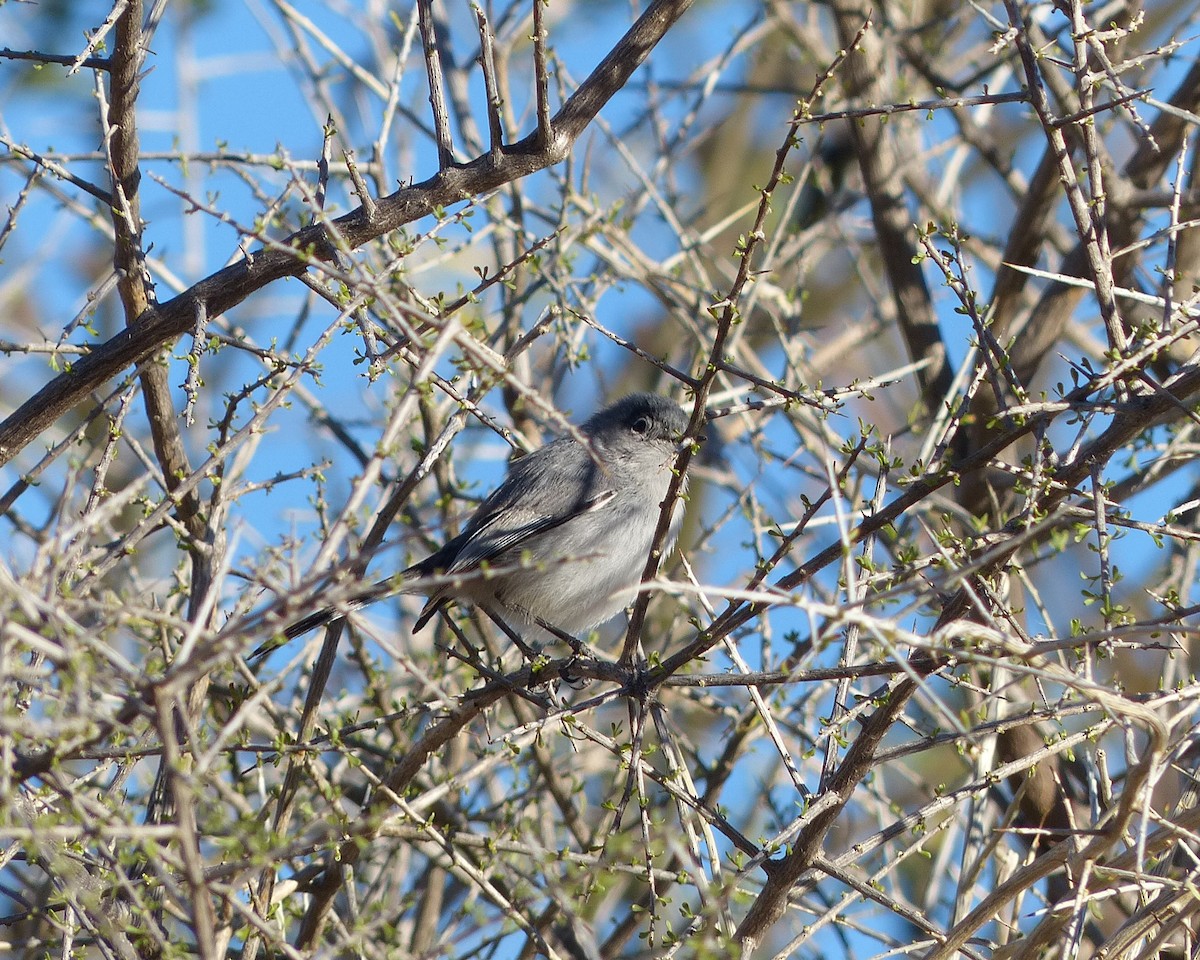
[[328, 614]]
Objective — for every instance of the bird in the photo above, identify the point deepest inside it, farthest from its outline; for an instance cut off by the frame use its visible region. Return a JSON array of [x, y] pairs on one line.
[[562, 542]]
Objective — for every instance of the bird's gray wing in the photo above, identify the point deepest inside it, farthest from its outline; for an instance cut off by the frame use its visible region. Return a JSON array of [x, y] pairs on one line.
[[506, 532], [543, 490]]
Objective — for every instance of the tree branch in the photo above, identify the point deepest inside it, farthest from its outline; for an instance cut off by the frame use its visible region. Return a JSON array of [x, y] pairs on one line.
[[228, 287]]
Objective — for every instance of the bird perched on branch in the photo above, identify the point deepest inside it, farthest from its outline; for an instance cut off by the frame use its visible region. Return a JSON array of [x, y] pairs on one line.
[[562, 542]]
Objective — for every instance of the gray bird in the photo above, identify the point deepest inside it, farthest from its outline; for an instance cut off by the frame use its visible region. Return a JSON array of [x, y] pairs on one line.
[[565, 537]]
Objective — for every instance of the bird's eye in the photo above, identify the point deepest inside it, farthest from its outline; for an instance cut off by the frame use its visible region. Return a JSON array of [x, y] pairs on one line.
[[641, 426]]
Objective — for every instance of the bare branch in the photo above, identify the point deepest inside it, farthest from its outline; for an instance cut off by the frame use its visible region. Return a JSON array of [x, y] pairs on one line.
[[437, 97], [491, 88], [540, 74]]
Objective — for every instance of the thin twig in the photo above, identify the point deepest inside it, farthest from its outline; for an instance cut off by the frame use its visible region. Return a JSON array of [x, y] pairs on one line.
[[437, 96], [98, 35], [540, 75], [91, 63], [360, 186], [487, 62]]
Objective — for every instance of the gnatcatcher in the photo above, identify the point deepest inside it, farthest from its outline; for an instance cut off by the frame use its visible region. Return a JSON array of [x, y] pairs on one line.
[[564, 539]]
